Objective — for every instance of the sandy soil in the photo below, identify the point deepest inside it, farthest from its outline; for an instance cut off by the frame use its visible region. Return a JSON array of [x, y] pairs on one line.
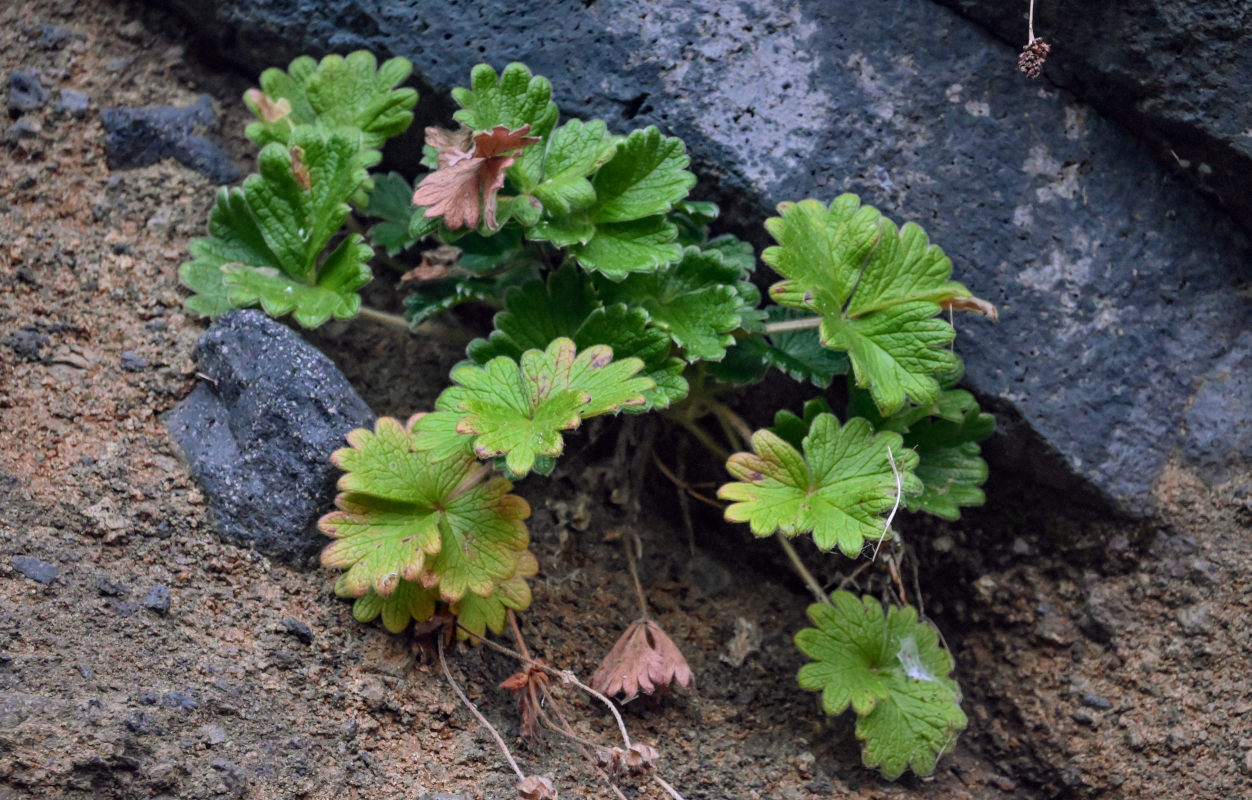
[[1100, 658]]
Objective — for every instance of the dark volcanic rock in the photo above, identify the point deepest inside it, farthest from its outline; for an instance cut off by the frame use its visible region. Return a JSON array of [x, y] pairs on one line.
[[1119, 288], [1177, 72], [259, 431], [138, 137], [26, 92]]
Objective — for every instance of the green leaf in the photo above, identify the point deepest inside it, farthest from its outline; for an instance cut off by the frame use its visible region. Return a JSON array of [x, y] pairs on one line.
[[267, 239], [403, 224], [338, 92], [694, 301], [404, 516], [513, 98], [945, 437], [692, 217], [893, 672], [793, 429], [626, 229], [574, 151], [837, 490], [800, 354], [616, 249], [409, 602], [877, 288], [519, 411], [476, 614], [567, 305], [645, 176]]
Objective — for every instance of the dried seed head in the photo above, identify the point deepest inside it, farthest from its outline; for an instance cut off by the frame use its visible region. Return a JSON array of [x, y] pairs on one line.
[[1032, 57], [535, 787]]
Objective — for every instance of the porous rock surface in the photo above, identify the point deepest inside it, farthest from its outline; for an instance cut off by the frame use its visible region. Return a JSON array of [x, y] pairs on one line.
[[258, 431], [1177, 72], [1119, 287]]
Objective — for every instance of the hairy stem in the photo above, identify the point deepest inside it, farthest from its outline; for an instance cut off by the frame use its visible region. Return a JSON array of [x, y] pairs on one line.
[[634, 573], [386, 318], [478, 714], [565, 675], [724, 413], [814, 586], [804, 323], [704, 438]]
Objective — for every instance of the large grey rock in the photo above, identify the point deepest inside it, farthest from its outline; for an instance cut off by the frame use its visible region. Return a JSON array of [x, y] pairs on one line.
[[1119, 287], [259, 429], [1177, 72]]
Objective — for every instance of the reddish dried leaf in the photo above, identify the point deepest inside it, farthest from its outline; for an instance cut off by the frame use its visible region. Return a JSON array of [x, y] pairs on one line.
[[465, 186], [644, 660], [501, 141]]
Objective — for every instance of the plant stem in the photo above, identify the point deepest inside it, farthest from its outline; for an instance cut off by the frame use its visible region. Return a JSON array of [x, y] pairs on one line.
[[723, 412], [804, 323], [386, 318], [1030, 24], [814, 586], [634, 574], [517, 635], [670, 789], [478, 714], [565, 675], [704, 438], [899, 493]]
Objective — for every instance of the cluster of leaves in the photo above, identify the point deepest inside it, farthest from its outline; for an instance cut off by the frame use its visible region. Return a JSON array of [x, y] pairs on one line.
[[414, 532], [320, 126], [612, 297]]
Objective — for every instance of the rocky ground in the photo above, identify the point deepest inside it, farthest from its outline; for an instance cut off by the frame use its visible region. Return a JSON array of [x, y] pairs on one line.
[[142, 657]]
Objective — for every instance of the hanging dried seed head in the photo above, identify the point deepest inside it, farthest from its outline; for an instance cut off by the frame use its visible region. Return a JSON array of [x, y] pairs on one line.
[[1032, 57]]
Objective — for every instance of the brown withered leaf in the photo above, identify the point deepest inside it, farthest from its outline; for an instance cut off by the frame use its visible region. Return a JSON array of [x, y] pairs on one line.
[[437, 264], [465, 187], [531, 687], [644, 660], [534, 787], [300, 170], [974, 304], [270, 110]]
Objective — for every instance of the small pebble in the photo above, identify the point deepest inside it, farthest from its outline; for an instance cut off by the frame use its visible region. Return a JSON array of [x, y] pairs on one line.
[[25, 128], [36, 569], [298, 629], [132, 362], [73, 103], [1095, 701], [158, 599], [26, 93]]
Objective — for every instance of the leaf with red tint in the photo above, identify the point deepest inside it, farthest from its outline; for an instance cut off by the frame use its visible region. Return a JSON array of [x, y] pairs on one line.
[[644, 660], [536, 788], [465, 186]]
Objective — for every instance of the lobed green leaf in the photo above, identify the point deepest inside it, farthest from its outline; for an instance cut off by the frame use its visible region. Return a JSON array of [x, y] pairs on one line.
[[877, 289], [837, 490], [893, 672]]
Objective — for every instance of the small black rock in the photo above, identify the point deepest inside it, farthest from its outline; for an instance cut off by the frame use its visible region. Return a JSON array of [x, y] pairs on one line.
[[298, 629]]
